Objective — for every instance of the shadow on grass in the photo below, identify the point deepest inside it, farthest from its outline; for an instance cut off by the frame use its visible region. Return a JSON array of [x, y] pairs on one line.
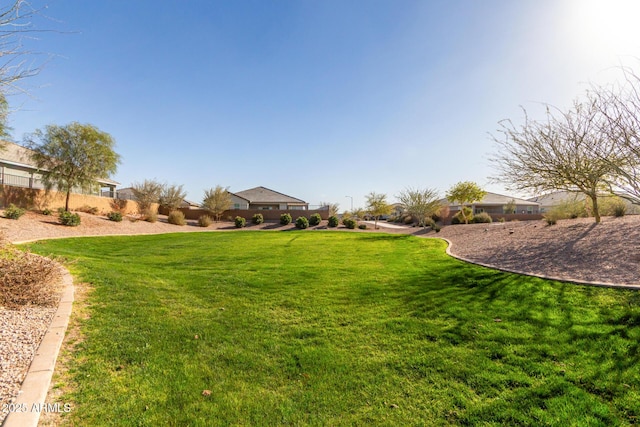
[[565, 340]]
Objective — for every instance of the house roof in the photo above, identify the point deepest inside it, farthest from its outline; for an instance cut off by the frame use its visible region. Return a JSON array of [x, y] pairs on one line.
[[495, 199], [11, 152], [557, 197], [14, 154], [266, 195]]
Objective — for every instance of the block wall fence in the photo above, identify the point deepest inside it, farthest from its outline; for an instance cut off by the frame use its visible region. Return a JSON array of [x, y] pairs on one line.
[[31, 198], [269, 215]]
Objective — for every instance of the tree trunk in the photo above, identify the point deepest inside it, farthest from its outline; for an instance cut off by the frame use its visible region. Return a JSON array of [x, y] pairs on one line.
[[66, 203], [596, 211]]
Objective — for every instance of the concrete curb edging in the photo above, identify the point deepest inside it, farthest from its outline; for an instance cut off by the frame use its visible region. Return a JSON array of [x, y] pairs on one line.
[[30, 402], [541, 276]]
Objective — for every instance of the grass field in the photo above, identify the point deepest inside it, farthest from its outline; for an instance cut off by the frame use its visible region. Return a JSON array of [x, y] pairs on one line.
[[329, 328]]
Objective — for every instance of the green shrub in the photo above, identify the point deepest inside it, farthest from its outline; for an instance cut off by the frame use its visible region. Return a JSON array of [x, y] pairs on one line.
[[553, 216], [333, 221], [612, 206], [362, 226], [240, 222], [114, 216], [176, 218], [459, 217], [482, 218], [257, 219], [573, 208], [619, 210], [349, 223], [69, 219], [13, 212], [46, 212], [285, 219], [302, 222], [205, 221], [315, 219]]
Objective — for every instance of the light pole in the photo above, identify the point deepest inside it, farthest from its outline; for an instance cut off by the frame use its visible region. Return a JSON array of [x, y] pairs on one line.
[[351, 202]]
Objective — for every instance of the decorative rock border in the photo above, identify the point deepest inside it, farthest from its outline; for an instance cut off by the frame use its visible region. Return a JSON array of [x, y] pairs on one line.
[[541, 276], [30, 402]]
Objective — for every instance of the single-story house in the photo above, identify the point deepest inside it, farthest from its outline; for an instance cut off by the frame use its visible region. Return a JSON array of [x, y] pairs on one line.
[[265, 199], [18, 170], [493, 203], [550, 200], [557, 198]]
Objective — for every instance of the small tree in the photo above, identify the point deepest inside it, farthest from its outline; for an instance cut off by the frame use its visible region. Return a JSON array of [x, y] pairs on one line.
[[146, 194], [171, 197], [217, 200], [73, 156], [463, 193], [421, 204], [357, 214], [377, 206]]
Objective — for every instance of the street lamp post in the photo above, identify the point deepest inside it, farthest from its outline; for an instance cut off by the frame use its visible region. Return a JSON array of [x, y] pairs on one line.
[[351, 202]]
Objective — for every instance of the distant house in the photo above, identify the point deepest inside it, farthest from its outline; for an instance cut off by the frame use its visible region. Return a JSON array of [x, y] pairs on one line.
[[558, 198], [397, 209], [550, 200], [265, 199], [18, 170], [498, 204], [189, 204], [125, 194]]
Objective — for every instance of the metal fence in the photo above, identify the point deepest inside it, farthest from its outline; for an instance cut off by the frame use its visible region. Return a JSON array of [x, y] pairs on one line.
[[21, 181]]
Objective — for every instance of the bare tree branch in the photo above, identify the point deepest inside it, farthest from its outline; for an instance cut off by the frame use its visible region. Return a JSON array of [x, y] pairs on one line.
[[558, 153]]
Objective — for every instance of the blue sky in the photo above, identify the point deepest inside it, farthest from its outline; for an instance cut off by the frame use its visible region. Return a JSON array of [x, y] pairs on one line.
[[316, 99]]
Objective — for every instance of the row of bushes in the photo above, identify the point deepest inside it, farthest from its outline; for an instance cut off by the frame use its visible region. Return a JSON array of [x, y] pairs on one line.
[[64, 217]]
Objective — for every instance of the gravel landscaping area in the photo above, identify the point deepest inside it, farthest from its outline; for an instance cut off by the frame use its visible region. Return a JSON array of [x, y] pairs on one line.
[[573, 250]]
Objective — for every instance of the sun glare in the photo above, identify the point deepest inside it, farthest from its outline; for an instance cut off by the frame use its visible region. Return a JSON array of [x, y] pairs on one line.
[[607, 26]]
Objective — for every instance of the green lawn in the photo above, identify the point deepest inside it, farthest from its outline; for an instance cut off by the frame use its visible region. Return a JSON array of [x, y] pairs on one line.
[[330, 328]]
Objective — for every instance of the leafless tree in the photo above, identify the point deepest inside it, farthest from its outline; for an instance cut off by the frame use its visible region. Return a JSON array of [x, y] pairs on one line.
[[16, 61], [619, 105], [557, 154]]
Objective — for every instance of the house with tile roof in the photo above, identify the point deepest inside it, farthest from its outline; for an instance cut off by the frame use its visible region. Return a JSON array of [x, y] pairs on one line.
[[263, 198]]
